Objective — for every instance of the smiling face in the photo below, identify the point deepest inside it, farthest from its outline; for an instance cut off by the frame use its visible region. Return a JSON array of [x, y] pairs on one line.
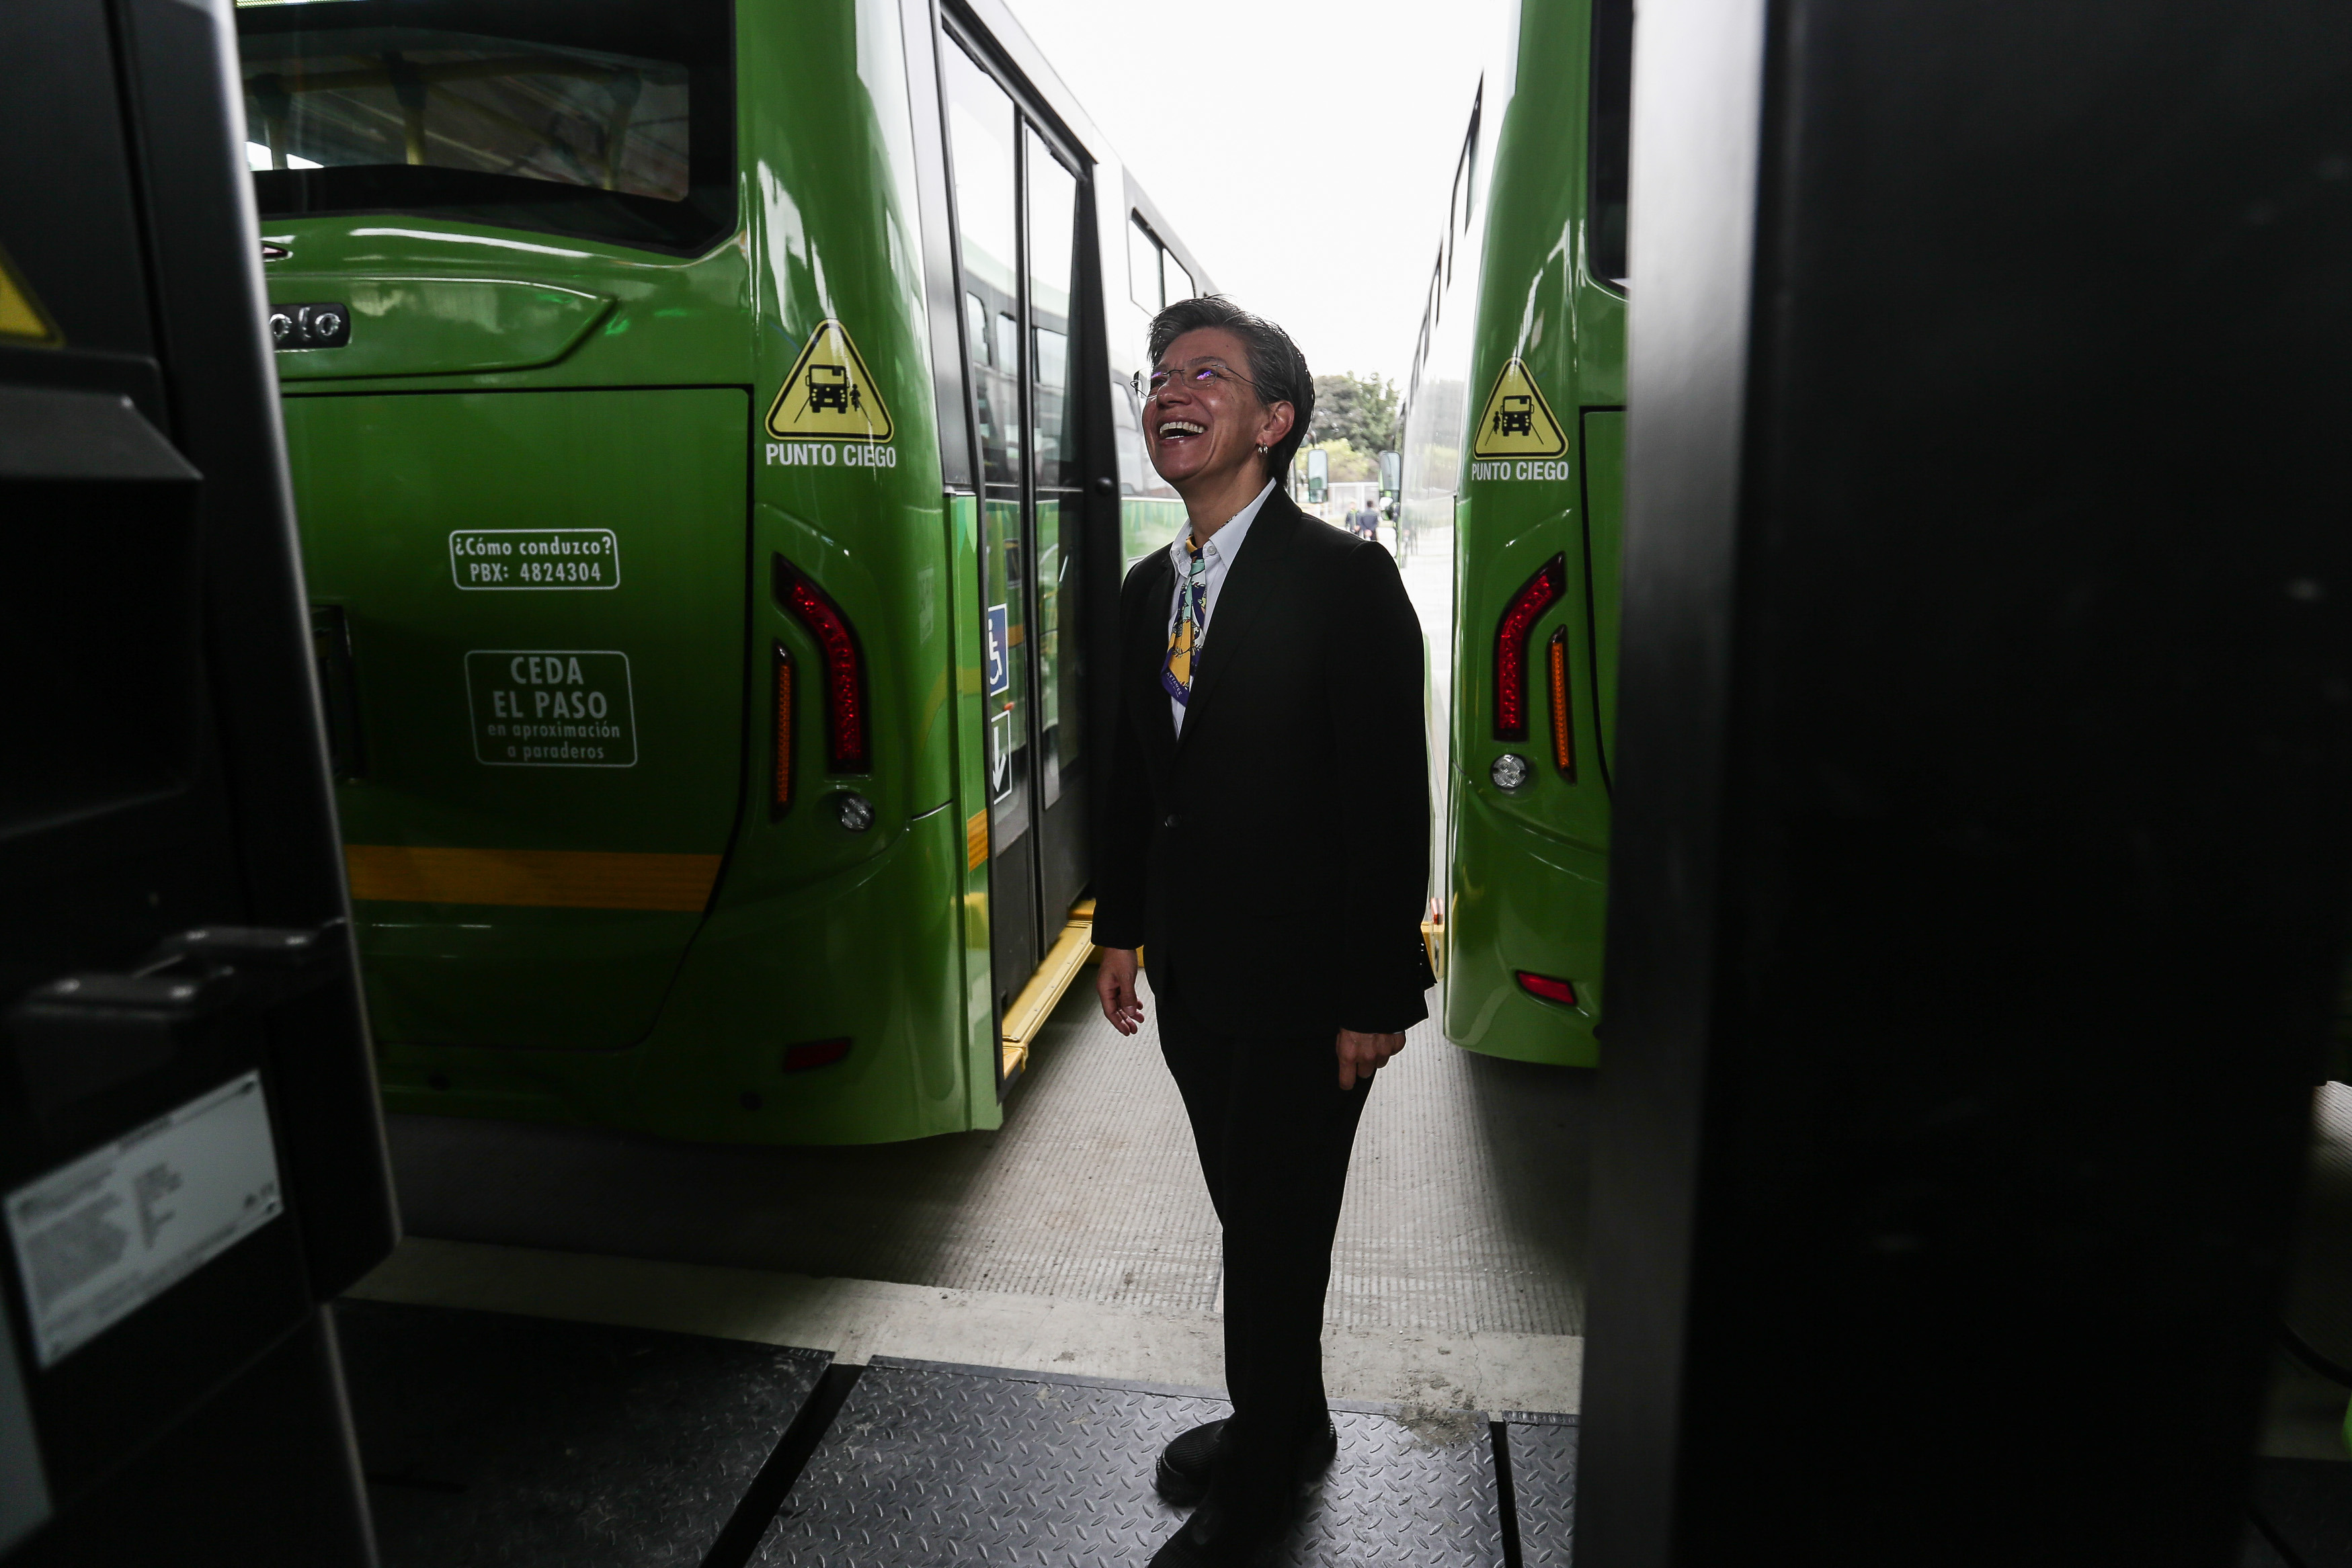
[[1205, 431]]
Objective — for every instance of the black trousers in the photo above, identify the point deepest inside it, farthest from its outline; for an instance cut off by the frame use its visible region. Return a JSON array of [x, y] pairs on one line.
[[1274, 1130]]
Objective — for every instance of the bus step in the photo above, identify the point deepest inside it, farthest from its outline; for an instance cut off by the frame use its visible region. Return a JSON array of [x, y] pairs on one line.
[[1036, 1003]]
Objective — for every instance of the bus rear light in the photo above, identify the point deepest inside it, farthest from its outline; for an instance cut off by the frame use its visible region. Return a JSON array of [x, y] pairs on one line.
[[1546, 989], [843, 679], [1539, 593], [814, 1053], [1563, 734], [784, 771]]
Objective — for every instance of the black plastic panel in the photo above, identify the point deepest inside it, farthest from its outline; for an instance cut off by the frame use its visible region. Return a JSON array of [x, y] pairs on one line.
[[1984, 689]]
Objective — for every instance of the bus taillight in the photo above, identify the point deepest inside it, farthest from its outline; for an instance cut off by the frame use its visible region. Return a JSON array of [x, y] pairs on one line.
[[843, 673], [814, 1053], [1547, 988], [1526, 607]]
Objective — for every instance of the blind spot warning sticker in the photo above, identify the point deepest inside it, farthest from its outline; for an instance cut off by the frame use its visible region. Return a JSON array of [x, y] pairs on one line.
[[22, 319], [830, 394], [1516, 422]]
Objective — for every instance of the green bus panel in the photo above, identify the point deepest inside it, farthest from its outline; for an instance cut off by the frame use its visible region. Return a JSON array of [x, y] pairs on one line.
[[767, 977], [871, 956], [1522, 899], [1512, 424], [567, 493], [546, 632]]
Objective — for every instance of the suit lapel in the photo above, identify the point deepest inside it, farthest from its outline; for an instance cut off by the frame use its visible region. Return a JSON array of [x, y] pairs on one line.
[[1249, 585], [1157, 590]]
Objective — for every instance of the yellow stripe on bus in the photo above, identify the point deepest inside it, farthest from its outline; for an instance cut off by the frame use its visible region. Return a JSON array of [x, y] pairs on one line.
[[563, 879]]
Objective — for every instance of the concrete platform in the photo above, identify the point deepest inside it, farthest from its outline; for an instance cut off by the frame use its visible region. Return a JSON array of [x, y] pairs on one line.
[[857, 1320], [1079, 1237], [1465, 1211]]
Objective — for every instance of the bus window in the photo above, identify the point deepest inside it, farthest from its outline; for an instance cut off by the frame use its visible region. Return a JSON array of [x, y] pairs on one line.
[[1126, 431], [1052, 230], [1467, 180], [1051, 355], [1143, 266], [1180, 282], [982, 146], [1445, 237], [612, 122], [975, 327], [1008, 342], [1611, 138], [1052, 256]]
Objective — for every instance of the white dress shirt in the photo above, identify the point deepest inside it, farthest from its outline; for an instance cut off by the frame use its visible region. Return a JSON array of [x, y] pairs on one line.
[[1216, 557]]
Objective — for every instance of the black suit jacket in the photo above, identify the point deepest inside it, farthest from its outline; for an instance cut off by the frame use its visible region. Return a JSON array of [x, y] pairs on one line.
[[1274, 861]]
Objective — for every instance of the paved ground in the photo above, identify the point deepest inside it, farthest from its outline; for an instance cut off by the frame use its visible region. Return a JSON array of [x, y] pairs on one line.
[[858, 1321], [1466, 1209]]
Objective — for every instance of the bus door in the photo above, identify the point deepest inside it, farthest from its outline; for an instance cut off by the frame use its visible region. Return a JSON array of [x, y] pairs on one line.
[[1017, 206]]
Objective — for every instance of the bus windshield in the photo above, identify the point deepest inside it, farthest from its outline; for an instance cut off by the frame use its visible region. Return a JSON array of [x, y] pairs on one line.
[[604, 118]]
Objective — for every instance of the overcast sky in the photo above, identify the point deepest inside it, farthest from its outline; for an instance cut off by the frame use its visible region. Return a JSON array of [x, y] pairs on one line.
[[1302, 148]]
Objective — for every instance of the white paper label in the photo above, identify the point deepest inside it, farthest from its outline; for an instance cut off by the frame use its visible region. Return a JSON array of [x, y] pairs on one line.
[[101, 1238]]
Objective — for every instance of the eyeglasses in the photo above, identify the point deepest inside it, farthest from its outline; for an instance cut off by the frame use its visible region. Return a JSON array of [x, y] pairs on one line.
[[1200, 375]]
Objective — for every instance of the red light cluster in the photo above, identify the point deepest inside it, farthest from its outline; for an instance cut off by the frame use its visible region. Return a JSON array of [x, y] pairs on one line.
[[814, 1053], [1548, 988], [843, 670], [1539, 593]]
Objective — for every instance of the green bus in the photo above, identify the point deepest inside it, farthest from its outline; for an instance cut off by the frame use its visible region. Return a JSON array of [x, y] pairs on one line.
[[1514, 453], [716, 469]]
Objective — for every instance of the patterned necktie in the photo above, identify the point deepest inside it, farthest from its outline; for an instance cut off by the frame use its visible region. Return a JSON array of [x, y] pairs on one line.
[[1184, 638]]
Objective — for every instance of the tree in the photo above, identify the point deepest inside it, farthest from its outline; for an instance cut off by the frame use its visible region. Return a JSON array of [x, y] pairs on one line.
[[1359, 410], [1348, 464]]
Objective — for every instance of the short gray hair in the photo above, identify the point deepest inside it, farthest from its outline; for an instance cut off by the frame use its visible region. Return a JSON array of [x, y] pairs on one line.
[[1275, 363]]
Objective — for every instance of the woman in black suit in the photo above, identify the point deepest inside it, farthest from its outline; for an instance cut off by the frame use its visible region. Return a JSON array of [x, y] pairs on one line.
[[1266, 842]]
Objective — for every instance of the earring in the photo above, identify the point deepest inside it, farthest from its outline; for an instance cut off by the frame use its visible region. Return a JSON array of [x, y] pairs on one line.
[[1261, 449]]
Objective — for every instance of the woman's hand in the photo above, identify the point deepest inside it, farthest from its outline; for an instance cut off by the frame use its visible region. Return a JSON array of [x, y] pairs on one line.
[[1115, 984], [1362, 1055]]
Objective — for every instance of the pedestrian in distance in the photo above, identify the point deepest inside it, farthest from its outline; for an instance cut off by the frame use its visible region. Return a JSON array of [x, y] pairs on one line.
[[1265, 844]]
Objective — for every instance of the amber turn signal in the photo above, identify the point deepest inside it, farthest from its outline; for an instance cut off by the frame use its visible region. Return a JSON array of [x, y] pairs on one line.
[[1563, 736]]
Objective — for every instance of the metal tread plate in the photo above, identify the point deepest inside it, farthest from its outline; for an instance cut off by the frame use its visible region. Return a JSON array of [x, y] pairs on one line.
[[490, 1438], [1543, 1486], [2305, 1507], [931, 1465]]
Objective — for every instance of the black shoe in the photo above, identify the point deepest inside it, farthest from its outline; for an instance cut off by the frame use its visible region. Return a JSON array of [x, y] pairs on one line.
[[1182, 1477], [1212, 1538]]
